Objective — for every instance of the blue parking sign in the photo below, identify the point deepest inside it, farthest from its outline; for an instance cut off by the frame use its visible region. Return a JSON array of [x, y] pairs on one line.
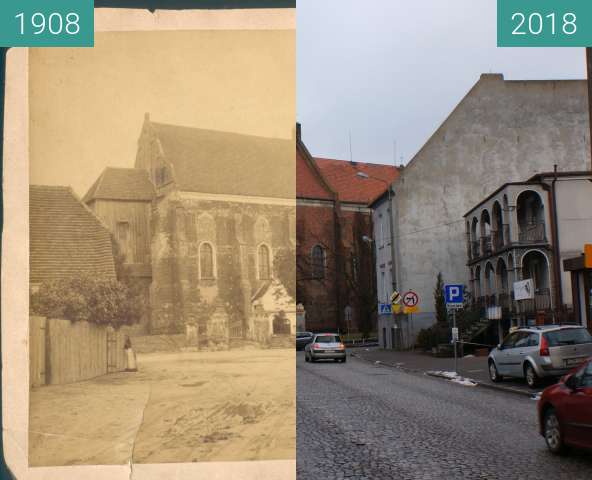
[[454, 294]]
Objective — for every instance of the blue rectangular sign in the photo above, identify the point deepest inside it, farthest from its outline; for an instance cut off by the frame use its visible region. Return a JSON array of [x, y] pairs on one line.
[[454, 294], [384, 309]]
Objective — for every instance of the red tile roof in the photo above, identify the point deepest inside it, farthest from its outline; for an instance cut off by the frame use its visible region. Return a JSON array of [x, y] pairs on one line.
[[308, 185], [66, 238], [343, 178]]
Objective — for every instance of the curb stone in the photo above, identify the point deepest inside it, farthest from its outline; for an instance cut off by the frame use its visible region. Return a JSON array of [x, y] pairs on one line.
[[398, 366]]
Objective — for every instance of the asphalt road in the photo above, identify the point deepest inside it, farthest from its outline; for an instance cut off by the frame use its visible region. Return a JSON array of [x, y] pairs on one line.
[[361, 421]]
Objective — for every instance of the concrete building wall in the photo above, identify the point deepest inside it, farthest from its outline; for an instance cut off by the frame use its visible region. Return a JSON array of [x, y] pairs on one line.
[[502, 131], [574, 212]]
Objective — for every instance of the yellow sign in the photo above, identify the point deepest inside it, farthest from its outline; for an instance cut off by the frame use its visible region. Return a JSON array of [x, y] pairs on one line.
[[396, 308], [588, 255], [395, 297], [413, 309]]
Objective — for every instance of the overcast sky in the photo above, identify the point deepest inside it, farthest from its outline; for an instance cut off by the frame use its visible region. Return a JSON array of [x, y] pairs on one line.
[[395, 71]]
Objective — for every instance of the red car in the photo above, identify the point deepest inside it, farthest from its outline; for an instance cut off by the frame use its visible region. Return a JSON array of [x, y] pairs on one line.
[[565, 411]]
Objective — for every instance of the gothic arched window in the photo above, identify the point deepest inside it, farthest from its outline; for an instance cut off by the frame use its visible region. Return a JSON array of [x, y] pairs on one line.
[[263, 262], [318, 261], [207, 267]]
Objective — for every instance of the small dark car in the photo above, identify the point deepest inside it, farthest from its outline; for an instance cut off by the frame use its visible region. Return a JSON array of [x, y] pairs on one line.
[[303, 339], [565, 411]]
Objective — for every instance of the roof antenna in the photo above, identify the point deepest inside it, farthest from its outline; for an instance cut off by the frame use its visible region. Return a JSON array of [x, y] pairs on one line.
[[351, 157], [395, 152]]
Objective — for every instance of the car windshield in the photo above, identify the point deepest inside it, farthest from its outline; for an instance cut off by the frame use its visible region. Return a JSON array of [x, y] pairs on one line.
[[302, 335], [328, 339], [569, 336]]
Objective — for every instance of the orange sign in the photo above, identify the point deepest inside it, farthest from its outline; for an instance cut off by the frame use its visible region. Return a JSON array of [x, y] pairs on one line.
[[588, 255]]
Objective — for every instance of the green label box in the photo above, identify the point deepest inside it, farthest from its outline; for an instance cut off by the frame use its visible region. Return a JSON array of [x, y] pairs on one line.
[[47, 23], [544, 23]]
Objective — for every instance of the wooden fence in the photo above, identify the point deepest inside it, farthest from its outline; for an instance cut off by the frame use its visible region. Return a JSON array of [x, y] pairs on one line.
[[61, 351]]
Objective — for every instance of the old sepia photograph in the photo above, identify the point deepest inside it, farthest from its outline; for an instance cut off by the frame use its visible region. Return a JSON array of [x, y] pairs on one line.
[[162, 310]]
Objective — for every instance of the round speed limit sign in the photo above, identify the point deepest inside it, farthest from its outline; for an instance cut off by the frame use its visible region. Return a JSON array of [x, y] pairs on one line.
[[410, 299]]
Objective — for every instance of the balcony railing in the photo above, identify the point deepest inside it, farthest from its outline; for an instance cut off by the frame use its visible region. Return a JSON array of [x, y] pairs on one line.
[[475, 249], [486, 245], [540, 302], [532, 232]]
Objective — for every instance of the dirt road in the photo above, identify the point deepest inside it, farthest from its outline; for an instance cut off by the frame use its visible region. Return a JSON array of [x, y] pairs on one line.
[[179, 407]]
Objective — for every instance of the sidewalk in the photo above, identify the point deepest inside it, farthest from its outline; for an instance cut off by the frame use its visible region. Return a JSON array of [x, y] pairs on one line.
[[474, 368]]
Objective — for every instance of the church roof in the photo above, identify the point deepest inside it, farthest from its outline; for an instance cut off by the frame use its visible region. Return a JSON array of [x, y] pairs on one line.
[[309, 181], [209, 161], [131, 184], [66, 238], [343, 178]]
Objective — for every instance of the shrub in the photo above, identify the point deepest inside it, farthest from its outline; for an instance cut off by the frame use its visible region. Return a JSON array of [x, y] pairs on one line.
[[431, 337], [86, 297]]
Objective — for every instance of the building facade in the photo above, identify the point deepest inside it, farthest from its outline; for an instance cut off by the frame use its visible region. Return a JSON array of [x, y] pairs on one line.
[[207, 219], [519, 238], [335, 265], [502, 131]]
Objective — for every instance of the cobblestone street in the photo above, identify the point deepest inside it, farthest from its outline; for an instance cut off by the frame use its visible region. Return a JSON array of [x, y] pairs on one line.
[[364, 421]]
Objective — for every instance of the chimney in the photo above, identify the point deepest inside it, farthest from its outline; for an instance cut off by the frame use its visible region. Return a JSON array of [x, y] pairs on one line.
[[298, 132]]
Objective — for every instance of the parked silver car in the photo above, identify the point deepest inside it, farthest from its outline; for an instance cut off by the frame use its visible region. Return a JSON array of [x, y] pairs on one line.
[[325, 346], [533, 353]]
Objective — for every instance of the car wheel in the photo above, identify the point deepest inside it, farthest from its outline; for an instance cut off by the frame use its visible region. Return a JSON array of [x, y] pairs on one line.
[[305, 357], [312, 359], [344, 359], [493, 373], [552, 432], [532, 379]]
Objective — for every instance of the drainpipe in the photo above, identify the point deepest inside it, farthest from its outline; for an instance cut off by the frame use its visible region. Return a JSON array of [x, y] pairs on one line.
[[556, 249]]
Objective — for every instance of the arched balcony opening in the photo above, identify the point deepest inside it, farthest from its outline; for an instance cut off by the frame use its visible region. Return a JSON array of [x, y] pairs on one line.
[[503, 283], [477, 284], [485, 233], [535, 266], [475, 248], [497, 229], [531, 217], [506, 221], [489, 281]]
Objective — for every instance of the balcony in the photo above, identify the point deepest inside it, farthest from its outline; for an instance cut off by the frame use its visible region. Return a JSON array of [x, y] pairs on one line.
[[497, 239], [541, 302], [475, 249], [532, 233], [486, 245]]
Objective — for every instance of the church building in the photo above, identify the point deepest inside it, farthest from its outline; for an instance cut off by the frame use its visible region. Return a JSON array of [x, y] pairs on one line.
[[207, 220]]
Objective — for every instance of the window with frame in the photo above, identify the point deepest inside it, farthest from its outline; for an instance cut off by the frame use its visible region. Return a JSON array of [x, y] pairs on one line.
[[206, 261], [263, 263], [318, 262]]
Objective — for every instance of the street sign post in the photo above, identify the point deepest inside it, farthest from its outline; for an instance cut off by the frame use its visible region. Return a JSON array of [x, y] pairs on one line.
[[411, 306], [410, 299], [454, 297]]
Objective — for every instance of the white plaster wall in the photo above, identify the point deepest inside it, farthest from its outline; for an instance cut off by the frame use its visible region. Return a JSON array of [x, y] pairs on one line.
[[502, 131], [574, 212]]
